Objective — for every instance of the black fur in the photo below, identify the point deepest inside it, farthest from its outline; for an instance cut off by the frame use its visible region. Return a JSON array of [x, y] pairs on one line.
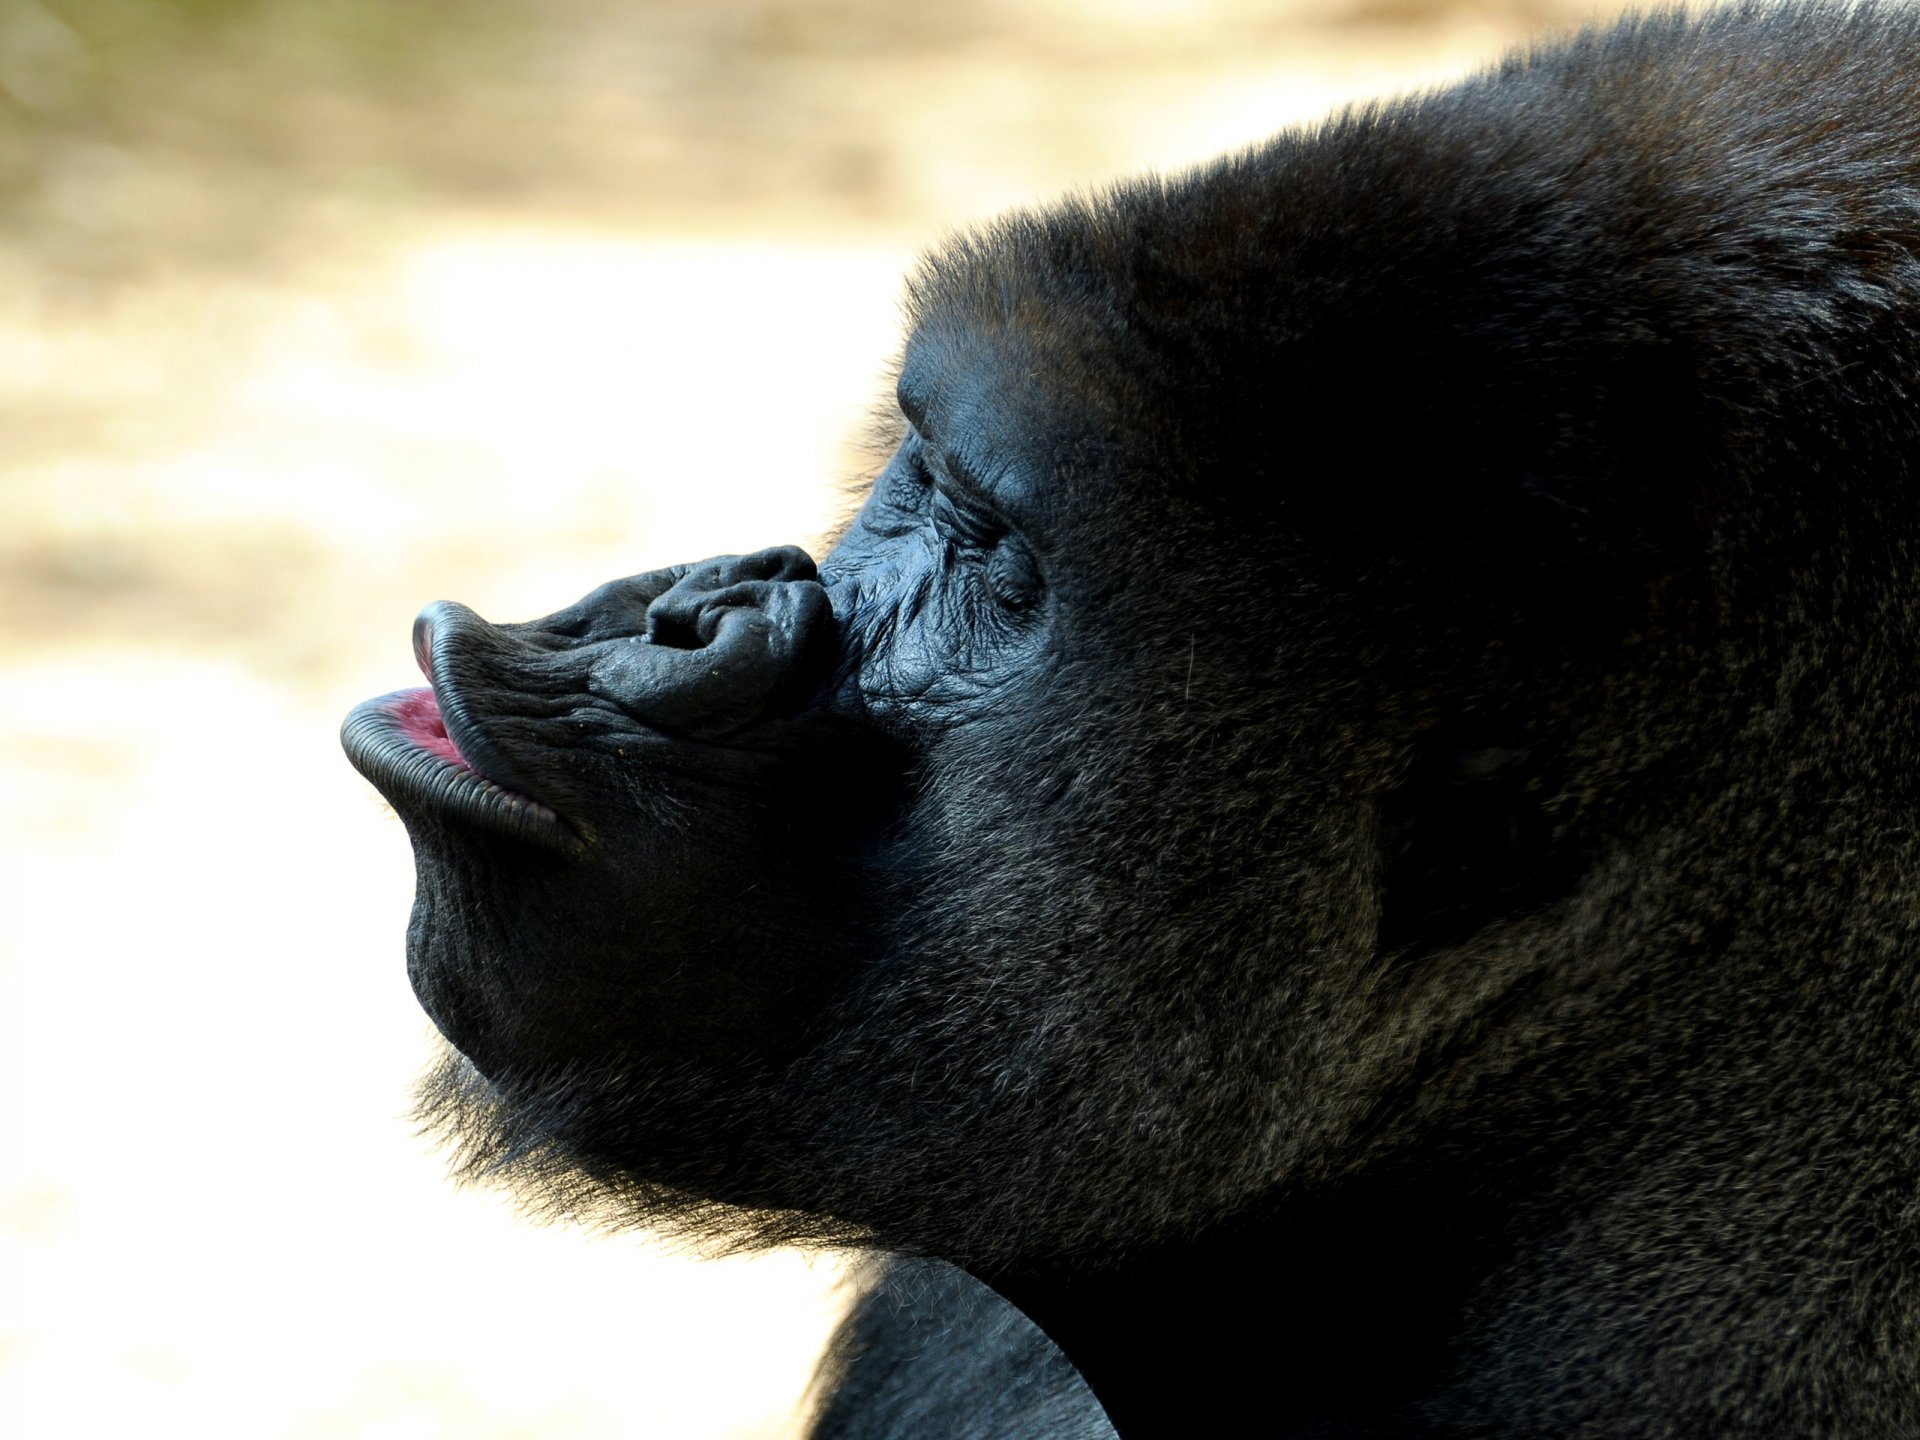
[[1357, 764]]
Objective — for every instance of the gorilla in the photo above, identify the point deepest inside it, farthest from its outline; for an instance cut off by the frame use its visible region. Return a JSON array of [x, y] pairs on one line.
[[1340, 827]]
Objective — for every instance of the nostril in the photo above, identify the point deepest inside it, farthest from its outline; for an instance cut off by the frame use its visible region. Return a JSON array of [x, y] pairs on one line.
[[673, 629]]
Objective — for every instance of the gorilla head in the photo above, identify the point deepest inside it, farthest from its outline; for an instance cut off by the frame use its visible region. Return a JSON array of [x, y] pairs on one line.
[[1360, 743]]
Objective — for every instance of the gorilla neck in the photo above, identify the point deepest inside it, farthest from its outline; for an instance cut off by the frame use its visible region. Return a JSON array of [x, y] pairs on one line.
[[1516, 1230]]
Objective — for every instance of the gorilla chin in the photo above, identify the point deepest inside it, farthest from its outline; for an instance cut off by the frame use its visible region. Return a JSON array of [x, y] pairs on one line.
[[1359, 751]]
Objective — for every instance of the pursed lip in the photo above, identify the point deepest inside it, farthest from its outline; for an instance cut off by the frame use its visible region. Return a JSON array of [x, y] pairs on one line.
[[410, 744], [437, 636]]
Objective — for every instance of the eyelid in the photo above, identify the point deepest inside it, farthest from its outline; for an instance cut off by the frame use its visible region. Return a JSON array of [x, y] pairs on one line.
[[950, 473], [972, 523], [921, 465], [973, 505]]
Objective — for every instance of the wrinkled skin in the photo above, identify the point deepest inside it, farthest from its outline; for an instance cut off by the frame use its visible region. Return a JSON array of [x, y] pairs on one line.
[[1357, 752], [580, 713]]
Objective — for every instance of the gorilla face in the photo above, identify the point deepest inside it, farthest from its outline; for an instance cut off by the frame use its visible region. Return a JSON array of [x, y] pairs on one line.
[[1007, 845]]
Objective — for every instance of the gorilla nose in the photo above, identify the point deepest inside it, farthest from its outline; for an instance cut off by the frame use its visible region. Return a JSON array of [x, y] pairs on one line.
[[732, 640], [688, 615]]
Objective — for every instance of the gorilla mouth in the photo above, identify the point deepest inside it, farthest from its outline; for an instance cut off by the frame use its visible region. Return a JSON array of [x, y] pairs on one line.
[[417, 713], [402, 744]]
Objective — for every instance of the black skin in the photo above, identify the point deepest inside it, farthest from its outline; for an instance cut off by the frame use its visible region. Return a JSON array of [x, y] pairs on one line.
[[1339, 827]]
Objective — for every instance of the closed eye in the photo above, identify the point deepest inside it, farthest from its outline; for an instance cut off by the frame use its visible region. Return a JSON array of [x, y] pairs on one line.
[[906, 478], [963, 524]]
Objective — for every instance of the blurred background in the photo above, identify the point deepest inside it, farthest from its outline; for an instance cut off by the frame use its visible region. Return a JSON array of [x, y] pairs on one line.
[[312, 311]]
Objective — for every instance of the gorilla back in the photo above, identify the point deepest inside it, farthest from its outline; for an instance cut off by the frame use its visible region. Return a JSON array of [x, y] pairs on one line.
[[1359, 756]]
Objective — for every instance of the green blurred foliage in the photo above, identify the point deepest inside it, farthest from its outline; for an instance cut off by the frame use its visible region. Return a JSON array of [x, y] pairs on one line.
[[104, 50], [136, 133]]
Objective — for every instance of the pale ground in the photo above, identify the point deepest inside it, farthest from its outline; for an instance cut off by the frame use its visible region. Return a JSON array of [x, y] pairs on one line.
[[231, 480]]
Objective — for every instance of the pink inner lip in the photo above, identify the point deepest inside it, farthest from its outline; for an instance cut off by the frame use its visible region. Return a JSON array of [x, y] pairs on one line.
[[418, 714]]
